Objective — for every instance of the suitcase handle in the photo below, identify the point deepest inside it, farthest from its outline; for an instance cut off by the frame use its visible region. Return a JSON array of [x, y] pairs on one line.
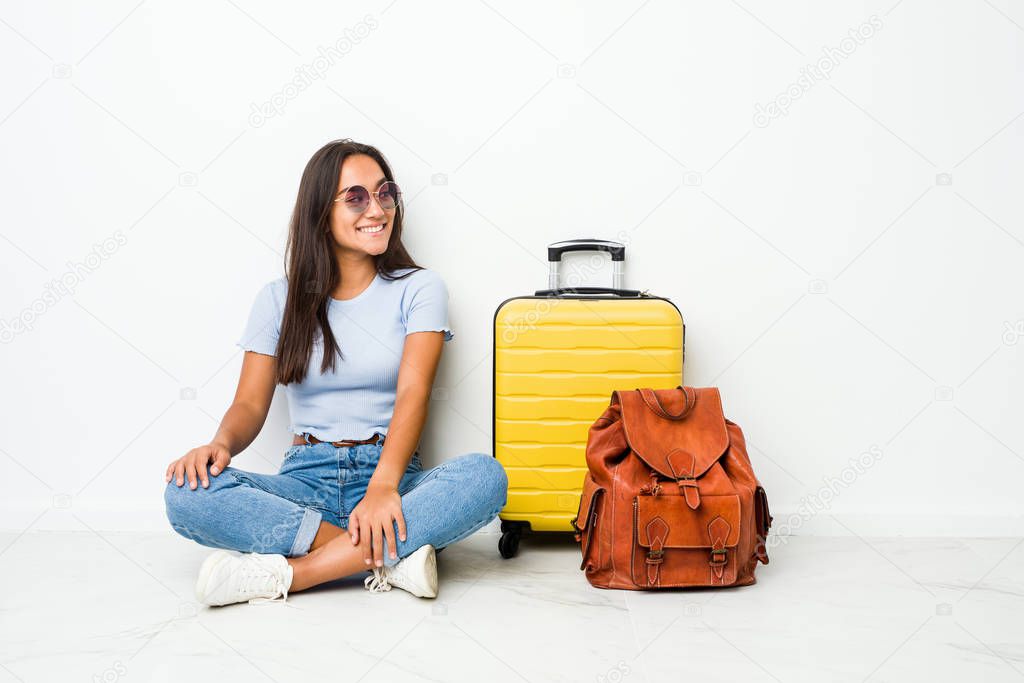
[[588, 290], [615, 249]]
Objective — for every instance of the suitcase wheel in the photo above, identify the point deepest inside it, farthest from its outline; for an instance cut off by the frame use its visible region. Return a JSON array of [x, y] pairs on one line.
[[508, 544], [511, 532]]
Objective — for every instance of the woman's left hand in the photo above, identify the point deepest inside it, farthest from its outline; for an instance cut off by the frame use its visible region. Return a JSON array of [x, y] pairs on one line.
[[371, 523]]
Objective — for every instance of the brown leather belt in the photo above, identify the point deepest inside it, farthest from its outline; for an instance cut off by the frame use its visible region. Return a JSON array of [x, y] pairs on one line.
[[301, 439]]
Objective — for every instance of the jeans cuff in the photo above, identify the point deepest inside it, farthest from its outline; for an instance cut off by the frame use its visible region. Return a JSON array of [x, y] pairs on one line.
[[308, 527]]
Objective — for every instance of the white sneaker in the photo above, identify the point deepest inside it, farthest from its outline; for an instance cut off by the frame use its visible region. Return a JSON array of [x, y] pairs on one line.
[[416, 573], [228, 577]]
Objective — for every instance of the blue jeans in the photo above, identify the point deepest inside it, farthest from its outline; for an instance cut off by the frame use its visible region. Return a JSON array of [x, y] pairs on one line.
[[281, 513]]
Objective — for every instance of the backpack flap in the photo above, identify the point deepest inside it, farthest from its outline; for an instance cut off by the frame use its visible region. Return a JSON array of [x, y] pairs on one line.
[[680, 433]]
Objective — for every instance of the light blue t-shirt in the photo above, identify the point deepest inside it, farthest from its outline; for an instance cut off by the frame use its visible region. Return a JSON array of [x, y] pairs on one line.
[[357, 399]]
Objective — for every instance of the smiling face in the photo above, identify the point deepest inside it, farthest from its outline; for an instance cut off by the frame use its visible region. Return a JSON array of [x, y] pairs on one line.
[[360, 234]]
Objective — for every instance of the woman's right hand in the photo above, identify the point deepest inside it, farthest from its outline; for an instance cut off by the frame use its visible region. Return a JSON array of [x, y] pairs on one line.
[[193, 465]]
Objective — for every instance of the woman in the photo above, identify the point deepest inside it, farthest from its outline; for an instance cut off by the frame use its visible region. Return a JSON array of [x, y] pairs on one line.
[[354, 332]]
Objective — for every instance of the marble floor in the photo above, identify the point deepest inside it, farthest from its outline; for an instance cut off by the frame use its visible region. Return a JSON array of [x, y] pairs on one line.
[[119, 607]]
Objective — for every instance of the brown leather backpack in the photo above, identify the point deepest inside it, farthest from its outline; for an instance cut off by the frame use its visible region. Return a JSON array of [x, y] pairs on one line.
[[670, 499]]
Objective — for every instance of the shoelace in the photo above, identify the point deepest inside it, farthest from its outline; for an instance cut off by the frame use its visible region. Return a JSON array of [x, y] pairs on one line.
[[283, 597], [256, 569], [378, 581]]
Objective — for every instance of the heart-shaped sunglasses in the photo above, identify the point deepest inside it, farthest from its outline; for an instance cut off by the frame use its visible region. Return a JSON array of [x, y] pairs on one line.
[[357, 197]]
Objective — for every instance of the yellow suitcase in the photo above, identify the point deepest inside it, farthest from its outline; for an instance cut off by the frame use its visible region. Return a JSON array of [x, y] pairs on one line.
[[557, 356]]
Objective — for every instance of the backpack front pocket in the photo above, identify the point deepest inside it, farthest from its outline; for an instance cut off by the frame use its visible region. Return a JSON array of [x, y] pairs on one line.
[[676, 546]]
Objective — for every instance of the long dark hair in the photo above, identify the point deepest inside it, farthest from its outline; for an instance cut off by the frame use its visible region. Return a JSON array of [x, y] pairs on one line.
[[310, 264]]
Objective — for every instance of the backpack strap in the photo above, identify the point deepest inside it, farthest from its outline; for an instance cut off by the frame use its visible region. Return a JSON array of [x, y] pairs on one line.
[[654, 403], [657, 532], [718, 532]]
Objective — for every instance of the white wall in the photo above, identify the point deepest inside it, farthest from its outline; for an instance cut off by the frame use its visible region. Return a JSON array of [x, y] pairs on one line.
[[839, 289]]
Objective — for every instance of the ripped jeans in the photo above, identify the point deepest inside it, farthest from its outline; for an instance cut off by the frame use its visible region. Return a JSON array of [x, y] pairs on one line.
[[281, 513]]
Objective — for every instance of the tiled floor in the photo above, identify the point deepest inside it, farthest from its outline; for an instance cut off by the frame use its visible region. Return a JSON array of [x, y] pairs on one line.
[[119, 607]]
